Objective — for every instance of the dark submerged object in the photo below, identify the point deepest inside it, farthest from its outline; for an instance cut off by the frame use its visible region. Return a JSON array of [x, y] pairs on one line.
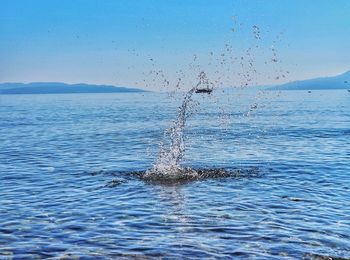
[[186, 175]]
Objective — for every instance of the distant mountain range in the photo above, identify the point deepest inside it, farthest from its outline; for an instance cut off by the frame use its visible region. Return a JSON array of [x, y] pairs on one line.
[[341, 81], [60, 88]]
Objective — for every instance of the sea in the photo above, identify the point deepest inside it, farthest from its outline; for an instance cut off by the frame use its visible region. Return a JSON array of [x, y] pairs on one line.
[[72, 167]]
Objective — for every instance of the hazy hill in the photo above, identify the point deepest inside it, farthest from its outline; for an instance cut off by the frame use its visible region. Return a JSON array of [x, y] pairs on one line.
[[341, 81], [60, 88]]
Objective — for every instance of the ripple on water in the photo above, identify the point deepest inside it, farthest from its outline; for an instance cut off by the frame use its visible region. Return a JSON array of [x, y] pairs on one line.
[[282, 195]]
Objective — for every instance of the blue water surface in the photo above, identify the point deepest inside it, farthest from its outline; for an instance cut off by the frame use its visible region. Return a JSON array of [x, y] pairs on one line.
[[66, 191]]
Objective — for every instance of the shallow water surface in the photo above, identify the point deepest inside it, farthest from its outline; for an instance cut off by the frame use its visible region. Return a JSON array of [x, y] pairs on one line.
[[70, 184]]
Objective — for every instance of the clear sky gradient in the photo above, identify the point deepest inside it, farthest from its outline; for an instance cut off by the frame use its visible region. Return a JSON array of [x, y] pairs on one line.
[[119, 41]]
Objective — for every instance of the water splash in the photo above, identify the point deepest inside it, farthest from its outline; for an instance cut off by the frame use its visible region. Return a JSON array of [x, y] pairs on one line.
[[225, 67], [170, 157]]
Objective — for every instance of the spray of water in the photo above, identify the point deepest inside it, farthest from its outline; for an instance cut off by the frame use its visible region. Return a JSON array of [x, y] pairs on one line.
[[170, 158], [172, 149]]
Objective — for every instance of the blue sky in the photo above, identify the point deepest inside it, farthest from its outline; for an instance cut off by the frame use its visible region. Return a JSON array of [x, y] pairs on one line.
[[120, 41]]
